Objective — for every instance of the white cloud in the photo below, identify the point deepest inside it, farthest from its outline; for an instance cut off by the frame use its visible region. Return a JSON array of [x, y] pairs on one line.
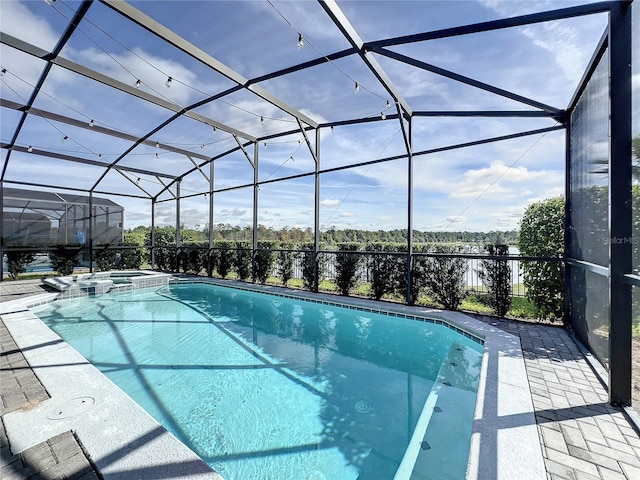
[[329, 202]]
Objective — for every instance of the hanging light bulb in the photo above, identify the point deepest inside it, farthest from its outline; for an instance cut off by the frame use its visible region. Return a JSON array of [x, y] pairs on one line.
[[30, 149], [168, 82], [332, 128], [157, 156], [291, 158], [265, 145], [300, 41], [261, 120], [214, 130], [203, 146], [91, 123], [64, 139], [383, 116], [138, 83], [356, 89], [157, 144], [138, 180], [2, 72], [99, 156], [388, 104], [299, 141]]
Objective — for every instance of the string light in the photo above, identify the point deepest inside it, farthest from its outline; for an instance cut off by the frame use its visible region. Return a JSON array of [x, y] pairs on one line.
[[138, 83], [99, 156], [265, 145], [356, 89], [383, 116], [64, 139], [157, 144], [203, 146], [157, 156], [30, 149], [214, 130], [168, 82], [91, 123], [300, 41], [261, 120], [2, 72], [138, 180]]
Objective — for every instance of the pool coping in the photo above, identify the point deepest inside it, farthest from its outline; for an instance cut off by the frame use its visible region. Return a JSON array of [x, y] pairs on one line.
[[504, 417]]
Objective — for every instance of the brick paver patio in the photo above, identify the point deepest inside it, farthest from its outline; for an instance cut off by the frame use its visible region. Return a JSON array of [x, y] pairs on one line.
[[60, 457], [582, 436]]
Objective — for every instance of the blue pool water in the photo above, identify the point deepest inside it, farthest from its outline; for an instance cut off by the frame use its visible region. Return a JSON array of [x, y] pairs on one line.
[[268, 387]]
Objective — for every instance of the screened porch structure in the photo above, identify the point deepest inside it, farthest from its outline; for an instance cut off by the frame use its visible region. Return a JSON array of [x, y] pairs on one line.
[[231, 112]]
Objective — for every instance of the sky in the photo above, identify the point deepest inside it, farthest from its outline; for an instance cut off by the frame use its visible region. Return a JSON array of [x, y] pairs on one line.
[[478, 189]]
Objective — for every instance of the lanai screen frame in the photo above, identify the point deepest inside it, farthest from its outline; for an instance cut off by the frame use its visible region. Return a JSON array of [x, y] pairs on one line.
[[617, 39]]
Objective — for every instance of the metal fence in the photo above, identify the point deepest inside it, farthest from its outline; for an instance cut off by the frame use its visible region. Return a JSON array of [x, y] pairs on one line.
[[328, 259]]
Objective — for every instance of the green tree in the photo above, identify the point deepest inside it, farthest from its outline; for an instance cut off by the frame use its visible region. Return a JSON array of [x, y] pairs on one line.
[[542, 235]]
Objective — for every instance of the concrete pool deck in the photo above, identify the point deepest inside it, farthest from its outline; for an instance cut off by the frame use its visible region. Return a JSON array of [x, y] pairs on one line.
[[579, 435]]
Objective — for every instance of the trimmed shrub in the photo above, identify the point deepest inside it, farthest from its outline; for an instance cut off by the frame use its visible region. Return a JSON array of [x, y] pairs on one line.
[[105, 258], [17, 262], [382, 269], [309, 268], [263, 261], [285, 259], [226, 256], [444, 277], [64, 258], [347, 267], [242, 260], [496, 276], [130, 258]]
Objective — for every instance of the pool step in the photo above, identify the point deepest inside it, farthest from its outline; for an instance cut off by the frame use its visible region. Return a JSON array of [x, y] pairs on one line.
[[441, 436]]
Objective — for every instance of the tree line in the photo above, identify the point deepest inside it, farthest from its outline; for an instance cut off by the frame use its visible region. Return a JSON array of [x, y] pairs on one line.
[[332, 236]]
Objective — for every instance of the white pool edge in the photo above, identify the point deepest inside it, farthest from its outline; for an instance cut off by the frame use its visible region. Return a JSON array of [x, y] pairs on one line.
[[504, 442]]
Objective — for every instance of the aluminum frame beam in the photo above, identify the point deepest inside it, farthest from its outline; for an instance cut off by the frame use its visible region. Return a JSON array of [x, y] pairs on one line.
[[146, 22], [340, 20], [66, 35], [85, 161], [467, 80], [96, 128], [502, 23], [620, 205], [117, 84]]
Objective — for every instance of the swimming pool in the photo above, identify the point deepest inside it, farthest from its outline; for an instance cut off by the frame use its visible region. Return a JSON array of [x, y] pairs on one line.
[[264, 386]]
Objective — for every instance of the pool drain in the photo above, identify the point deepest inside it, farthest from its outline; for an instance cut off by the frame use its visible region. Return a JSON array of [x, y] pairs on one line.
[[315, 475], [362, 406]]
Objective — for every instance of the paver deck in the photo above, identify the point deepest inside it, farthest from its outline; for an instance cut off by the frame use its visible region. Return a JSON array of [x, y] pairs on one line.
[[57, 458], [582, 436]]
